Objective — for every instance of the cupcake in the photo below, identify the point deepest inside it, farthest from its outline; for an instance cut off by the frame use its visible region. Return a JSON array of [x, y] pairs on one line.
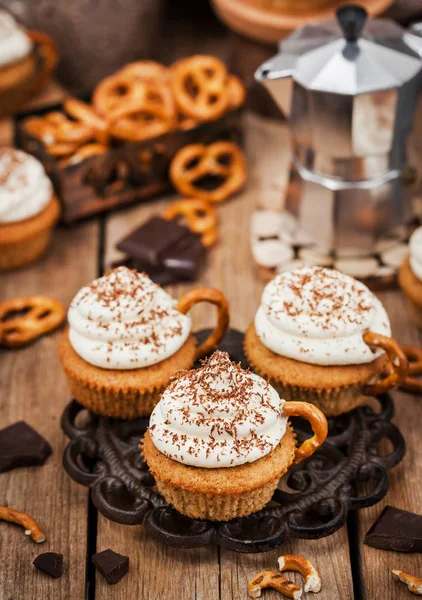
[[219, 440], [28, 209], [127, 337], [324, 337], [17, 60], [410, 276]]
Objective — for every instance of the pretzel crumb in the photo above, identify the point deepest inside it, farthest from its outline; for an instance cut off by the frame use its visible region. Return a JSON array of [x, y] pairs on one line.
[[413, 583], [275, 581], [299, 564], [20, 518]]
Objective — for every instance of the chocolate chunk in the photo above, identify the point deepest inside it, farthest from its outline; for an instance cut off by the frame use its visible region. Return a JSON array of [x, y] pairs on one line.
[[149, 242], [22, 446], [111, 565], [397, 530], [50, 563], [184, 258]]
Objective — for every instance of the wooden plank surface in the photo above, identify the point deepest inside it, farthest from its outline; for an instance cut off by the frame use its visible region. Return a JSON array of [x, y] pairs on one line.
[[33, 388]]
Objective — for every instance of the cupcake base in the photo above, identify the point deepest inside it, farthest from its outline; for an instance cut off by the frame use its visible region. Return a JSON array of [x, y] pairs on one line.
[[220, 494], [412, 288], [123, 394], [14, 75], [333, 389], [24, 242]]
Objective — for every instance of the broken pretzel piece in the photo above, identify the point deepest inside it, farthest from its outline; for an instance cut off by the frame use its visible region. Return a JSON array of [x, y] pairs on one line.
[[413, 583], [31, 527], [291, 562], [275, 581]]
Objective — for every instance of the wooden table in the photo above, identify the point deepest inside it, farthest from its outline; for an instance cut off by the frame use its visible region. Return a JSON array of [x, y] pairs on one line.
[[33, 388]]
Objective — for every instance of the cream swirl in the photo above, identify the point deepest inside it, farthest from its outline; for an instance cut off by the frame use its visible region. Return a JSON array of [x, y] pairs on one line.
[[14, 42], [25, 189], [319, 316], [125, 321], [218, 416], [415, 250]]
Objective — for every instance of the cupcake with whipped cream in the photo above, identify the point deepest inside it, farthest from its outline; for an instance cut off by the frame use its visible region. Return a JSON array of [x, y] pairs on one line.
[[29, 209], [17, 60], [219, 440], [410, 276], [127, 337], [323, 337]]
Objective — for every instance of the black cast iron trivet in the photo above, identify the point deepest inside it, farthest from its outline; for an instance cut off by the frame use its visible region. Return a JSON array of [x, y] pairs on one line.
[[313, 502]]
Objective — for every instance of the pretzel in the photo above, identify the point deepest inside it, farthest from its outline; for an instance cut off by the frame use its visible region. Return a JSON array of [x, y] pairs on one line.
[[24, 319], [185, 123], [196, 161], [113, 91], [212, 296], [84, 112], [152, 114], [55, 128], [200, 87], [200, 216], [31, 527], [83, 152], [41, 129], [317, 421], [399, 365], [63, 149], [290, 562], [236, 91], [275, 581], [413, 583], [145, 69], [412, 384]]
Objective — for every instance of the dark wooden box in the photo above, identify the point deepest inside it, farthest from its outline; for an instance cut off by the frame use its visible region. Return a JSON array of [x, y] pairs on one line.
[[130, 172]]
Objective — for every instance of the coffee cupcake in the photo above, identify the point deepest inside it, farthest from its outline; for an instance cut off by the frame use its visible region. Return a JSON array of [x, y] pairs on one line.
[[219, 440], [127, 337], [28, 209], [324, 337], [410, 276], [17, 60]]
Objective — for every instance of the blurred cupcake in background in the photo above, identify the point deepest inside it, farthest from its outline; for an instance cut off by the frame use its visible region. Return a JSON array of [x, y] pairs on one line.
[[17, 60], [410, 276]]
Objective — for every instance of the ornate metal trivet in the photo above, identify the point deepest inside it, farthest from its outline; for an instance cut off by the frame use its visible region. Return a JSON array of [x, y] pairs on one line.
[[312, 501]]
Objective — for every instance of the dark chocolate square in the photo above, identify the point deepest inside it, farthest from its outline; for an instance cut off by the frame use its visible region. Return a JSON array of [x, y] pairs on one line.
[[22, 446], [50, 563], [111, 565], [397, 530]]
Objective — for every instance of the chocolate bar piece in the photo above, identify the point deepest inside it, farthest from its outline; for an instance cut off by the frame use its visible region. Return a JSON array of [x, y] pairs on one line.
[[111, 565], [397, 530], [148, 243], [50, 563], [22, 446]]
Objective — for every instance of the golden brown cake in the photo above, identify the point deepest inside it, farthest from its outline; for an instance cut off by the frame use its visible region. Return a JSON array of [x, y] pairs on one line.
[[410, 276], [323, 337], [126, 339], [28, 209], [219, 440]]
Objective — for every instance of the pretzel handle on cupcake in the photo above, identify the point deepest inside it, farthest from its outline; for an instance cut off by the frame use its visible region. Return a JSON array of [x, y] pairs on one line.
[[399, 363], [212, 296], [412, 383], [317, 421], [49, 54]]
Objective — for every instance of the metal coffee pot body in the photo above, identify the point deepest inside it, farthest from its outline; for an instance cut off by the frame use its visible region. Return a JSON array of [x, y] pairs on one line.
[[350, 103]]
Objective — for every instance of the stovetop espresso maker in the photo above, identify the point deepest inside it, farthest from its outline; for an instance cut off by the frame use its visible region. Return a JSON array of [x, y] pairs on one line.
[[351, 102]]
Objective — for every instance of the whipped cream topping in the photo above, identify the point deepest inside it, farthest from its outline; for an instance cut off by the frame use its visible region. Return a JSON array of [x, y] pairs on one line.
[[14, 42], [25, 189], [125, 321], [217, 416], [319, 316], [415, 250]]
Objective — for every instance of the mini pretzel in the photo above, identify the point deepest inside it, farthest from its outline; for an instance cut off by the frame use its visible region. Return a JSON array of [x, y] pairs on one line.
[[84, 152], [145, 69], [236, 91], [196, 161], [56, 128], [83, 112], [151, 114], [412, 384], [275, 581], [200, 87], [317, 421], [212, 296], [413, 583], [40, 314], [398, 360], [113, 91], [200, 216], [31, 527], [290, 562]]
